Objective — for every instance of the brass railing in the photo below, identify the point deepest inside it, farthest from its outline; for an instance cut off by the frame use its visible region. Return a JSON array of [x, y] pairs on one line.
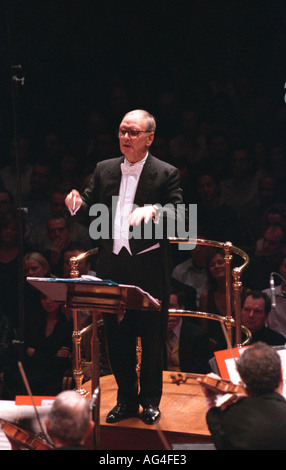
[[236, 286]]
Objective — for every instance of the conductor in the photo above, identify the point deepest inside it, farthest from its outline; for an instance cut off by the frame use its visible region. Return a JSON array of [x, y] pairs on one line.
[[142, 186]]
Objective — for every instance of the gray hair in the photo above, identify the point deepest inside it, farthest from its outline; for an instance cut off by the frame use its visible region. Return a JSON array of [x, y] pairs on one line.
[[69, 417], [150, 119]]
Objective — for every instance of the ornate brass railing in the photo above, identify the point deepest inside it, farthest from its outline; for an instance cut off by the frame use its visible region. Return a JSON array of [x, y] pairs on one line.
[[236, 286]]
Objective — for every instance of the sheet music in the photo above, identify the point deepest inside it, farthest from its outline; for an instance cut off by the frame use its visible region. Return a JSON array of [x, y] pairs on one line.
[[143, 292], [232, 371]]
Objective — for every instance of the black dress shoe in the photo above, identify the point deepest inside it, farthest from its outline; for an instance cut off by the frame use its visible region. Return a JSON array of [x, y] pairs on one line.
[[150, 414], [121, 411]]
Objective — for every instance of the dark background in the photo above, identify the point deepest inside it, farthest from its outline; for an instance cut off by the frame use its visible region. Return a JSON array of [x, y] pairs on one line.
[[75, 53]]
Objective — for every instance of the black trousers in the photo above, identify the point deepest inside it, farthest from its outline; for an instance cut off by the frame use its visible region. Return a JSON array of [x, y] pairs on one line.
[[145, 271]]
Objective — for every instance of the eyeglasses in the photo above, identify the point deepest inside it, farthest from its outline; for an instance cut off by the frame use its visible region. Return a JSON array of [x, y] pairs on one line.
[[132, 133]]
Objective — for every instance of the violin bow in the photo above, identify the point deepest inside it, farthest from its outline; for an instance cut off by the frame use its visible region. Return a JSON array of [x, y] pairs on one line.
[[26, 383]]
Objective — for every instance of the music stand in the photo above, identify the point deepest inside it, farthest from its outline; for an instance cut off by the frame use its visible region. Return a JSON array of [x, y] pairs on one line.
[[98, 296]]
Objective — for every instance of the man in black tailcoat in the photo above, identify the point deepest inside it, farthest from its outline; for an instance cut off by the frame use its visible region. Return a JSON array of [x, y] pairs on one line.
[[135, 189]]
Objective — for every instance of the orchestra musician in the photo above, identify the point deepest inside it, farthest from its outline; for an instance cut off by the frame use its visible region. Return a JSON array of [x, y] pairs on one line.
[[255, 420]]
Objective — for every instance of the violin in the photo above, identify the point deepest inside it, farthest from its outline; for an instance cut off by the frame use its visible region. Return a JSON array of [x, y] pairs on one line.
[[221, 386], [21, 439], [216, 384], [179, 378]]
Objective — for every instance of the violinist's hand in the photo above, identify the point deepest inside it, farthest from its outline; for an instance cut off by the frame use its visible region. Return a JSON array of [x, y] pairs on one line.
[[73, 201], [145, 213]]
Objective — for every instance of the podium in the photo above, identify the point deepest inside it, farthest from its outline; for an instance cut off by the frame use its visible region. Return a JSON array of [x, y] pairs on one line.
[[97, 296]]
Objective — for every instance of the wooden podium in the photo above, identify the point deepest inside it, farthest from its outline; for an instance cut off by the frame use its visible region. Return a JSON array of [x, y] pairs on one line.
[[97, 296]]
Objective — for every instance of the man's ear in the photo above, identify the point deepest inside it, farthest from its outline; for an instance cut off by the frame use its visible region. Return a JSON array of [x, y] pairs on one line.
[[150, 139]]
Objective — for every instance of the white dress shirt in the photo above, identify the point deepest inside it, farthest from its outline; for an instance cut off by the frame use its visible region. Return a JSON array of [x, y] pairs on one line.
[[129, 181]]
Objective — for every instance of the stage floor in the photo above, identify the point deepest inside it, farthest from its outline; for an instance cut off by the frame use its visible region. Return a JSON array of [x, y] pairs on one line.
[[183, 411]]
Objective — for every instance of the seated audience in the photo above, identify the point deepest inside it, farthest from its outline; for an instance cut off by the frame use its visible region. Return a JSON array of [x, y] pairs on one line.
[[192, 272], [241, 193], [219, 217], [9, 259], [187, 344], [8, 174], [35, 265], [7, 202], [258, 420], [47, 352], [275, 215], [79, 233], [37, 200], [60, 238], [257, 274], [213, 298]]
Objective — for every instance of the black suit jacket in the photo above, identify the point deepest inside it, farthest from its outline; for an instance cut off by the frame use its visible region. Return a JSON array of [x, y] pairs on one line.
[[159, 184], [254, 423]]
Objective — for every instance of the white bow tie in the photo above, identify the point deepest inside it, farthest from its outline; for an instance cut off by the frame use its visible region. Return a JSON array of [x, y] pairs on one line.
[[131, 169]]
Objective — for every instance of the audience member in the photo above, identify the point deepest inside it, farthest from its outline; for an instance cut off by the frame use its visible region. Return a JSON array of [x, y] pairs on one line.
[[47, 354], [60, 238], [257, 274], [190, 142], [192, 272], [267, 193], [51, 146], [256, 421], [213, 298], [9, 259], [241, 191], [40, 237], [20, 153], [187, 344], [68, 175], [36, 265], [217, 161], [277, 317], [255, 312], [7, 202], [220, 218], [37, 200], [275, 215], [69, 424]]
